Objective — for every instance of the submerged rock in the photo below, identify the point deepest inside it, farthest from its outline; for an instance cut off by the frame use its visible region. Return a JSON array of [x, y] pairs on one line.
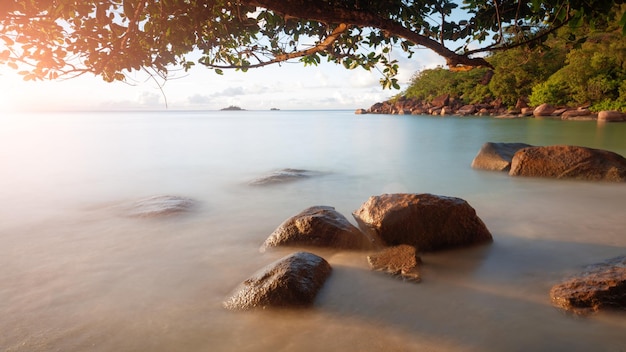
[[496, 156], [157, 206], [292, 281], [282, 176], [599, 287], [428, 222], [564, 161], [320, 226], [401, 261]]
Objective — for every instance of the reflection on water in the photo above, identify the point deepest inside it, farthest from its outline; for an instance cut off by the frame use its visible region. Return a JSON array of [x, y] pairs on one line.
[[77, 274]]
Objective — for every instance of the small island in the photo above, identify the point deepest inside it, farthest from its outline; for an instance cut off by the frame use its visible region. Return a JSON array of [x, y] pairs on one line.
[[232, 108]]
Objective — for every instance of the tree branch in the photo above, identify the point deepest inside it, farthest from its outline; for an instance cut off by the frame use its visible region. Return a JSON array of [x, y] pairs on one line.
[[329, 15]]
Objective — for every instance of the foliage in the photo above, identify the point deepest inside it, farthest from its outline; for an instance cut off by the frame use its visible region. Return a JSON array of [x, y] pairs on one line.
[[49, 39], [518, 70], [466, 85], [575, 67]]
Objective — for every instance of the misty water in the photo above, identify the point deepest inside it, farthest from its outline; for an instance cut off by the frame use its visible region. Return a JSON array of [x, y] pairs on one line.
[[78, 274]]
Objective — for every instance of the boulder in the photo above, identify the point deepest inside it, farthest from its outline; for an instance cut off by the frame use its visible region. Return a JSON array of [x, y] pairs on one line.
[[521, 103], [292, 281], [401, 261], [578, 114], [318, 226], [283, 176], [441, 101], [600, 286], [496, 156], [611, 116], [159, 206], [360, 111], [466, 110], [426, 221], [544, 110], [563, 161]]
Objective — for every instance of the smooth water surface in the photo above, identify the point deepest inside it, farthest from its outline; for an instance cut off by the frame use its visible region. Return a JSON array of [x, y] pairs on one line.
[[77, 274]]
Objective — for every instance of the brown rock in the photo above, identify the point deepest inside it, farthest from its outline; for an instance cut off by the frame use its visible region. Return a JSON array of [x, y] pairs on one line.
[[578, 114], [562, 161], [319, 226], [611, 116], [292, 281], [600, 286], [544, 110], [159, 206], [521, 104], [441, 101], [428, 222], [466, 110], [399, 261], [283, 176], [360, 111], [496, 156]]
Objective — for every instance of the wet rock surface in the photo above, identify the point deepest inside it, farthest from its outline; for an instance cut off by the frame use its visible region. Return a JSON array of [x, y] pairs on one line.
[[292, 281], [283, 176], [426, 221], [401, 261], [159, 206], [496, 156], [600, 286], [319, 226], [569, 162]]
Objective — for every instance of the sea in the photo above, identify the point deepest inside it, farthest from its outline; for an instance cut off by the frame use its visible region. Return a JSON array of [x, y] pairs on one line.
[[78, 274]]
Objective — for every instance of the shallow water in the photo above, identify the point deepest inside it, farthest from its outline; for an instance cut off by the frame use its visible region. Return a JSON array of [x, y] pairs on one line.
[[77, 274]]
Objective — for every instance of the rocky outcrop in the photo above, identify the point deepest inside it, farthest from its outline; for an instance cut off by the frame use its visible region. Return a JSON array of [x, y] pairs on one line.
[[496, 156], [466, 110], [570, 162], [544, 110], [159, 206], [426, 221], [283, 176], [578, 114], [611, 116], [292, 281], [319, 226], [401, 261], [601, 286]]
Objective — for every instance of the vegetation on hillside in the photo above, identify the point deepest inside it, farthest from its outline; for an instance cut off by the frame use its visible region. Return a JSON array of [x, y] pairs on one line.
[[580, 66]]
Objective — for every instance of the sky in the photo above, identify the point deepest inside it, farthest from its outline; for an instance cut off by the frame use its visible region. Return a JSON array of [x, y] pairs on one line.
[[289, 86]]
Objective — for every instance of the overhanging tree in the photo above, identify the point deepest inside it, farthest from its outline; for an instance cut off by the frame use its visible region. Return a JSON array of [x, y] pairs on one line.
[[49, 39]]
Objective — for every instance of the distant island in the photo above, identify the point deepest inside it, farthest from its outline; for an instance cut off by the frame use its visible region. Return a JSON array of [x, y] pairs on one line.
[[274, 109], [232, 108]]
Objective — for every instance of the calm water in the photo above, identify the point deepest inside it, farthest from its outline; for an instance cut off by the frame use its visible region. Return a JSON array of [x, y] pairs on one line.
[[77, 275]]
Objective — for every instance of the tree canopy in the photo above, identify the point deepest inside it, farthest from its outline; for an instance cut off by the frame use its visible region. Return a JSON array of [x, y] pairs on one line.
[[49, 39]]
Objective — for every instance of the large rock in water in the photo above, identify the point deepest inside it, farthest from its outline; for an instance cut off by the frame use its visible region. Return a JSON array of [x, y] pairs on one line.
[[428, 222], [319, 226], [292, 281], [600, 286], [496, 156], [562, 161]]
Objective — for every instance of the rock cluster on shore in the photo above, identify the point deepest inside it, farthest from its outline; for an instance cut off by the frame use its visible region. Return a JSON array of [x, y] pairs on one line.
[[445, 105]]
